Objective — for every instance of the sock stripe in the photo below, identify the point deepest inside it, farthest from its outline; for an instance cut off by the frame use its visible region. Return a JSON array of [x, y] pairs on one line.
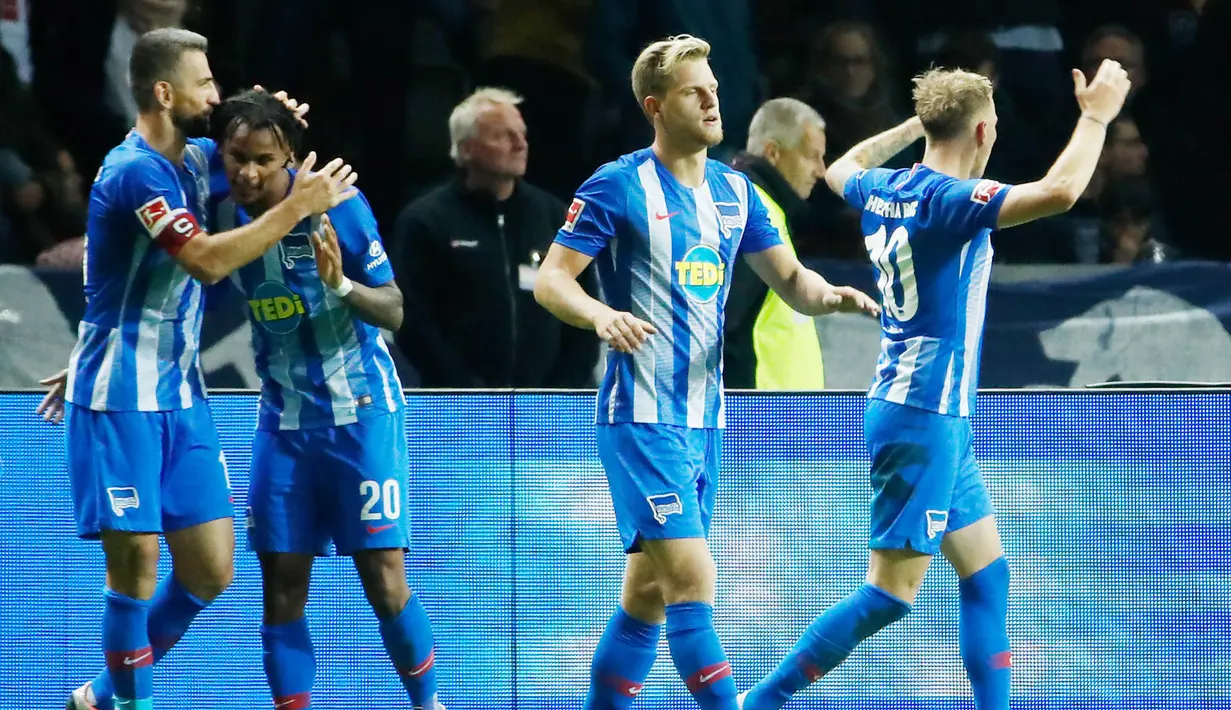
[[624, 686], [812, 671], [130, 660], [298, 701], [1002, 660], [421, 668], [708, 675]]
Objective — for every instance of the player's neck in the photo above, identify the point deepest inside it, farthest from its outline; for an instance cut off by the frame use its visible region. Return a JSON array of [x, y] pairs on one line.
[[949, 160], [498, 186], [162, 135], [686, 164]]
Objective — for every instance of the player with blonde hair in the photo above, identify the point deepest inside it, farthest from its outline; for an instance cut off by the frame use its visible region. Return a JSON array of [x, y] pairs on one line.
[[665, 225], [928, 233]]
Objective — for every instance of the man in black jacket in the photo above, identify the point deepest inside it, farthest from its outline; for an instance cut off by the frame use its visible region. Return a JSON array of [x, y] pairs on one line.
[[769, 346], [467, 254]]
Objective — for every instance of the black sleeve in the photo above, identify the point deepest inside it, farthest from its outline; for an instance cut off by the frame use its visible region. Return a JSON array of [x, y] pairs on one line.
[[416, 271], [743, 304]]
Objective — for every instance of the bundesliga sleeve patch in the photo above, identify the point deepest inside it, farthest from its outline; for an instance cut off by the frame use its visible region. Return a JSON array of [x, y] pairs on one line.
[[574, 212], [985, 191], [170, 229]]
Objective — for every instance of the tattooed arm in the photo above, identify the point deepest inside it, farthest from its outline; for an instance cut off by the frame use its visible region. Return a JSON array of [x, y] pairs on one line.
[[872, 152]]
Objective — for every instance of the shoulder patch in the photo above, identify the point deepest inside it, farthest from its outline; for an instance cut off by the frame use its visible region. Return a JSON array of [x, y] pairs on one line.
[[574, 212], [985, 191]]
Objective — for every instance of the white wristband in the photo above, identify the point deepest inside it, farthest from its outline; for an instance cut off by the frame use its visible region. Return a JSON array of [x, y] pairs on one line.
[[343, 289]]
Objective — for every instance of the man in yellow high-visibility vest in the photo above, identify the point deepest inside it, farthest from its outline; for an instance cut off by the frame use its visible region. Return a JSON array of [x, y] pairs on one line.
[[768, 346]]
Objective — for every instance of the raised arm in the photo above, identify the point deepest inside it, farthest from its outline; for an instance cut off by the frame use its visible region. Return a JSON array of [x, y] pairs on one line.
[[1069, 176], [212, 257], [872, 153]]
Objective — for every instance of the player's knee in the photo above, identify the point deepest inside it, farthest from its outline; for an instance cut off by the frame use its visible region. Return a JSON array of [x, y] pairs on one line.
[[132, 563], [383, 573], [688, 580], [284, 600]]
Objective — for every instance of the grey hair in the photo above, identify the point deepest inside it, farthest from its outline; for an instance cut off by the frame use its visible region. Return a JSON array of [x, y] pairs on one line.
[[463, 122], [781, 121]]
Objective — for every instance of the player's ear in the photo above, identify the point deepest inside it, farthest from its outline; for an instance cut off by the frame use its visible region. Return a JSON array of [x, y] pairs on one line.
[[981, 133], [164, 93], [651, 106]]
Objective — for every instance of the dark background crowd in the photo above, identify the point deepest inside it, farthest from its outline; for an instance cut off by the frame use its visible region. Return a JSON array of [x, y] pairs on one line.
[[384, 77]]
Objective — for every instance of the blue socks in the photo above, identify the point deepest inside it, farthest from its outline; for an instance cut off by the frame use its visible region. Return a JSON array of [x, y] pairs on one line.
[[126, 645], [698, 656], [170, 613], [290, 664], [623, 659], [983, 634], [830, 638], [408, 640]]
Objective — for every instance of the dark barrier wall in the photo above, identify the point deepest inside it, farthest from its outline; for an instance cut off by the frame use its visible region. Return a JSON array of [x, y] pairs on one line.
[[1115, 509]]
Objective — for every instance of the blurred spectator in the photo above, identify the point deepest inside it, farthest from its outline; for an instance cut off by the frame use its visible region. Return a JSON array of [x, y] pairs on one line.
[[41, 192], [619, 29], [768, 345], [134, 18], [535, 50], [466, 256], [849, 83], [15, 36], [1130, 228], [1017, 156], [1080, 232]]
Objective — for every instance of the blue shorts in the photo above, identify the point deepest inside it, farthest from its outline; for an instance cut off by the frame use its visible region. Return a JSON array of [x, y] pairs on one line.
[[925, 481], [341, 484], [663, 479], [146, 472]]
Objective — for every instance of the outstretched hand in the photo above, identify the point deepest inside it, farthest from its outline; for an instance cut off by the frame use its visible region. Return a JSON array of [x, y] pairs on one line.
[[844, 299]]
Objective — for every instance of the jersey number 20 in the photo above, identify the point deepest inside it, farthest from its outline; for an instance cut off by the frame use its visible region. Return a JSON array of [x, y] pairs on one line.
[[895, 266], [391, 500]]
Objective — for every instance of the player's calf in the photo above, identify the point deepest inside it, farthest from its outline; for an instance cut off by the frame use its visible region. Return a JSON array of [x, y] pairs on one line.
[[686, 575], [629, 645], [132, 569], [289, 657], [404, 625], [983, 600]]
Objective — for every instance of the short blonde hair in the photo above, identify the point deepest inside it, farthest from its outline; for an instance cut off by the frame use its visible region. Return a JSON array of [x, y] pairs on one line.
[[464, 121], [947, 100], [655, 65]]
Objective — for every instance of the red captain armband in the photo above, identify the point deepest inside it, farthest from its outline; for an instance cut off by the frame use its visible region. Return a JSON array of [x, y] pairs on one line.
[[170, 229], [177, 231]]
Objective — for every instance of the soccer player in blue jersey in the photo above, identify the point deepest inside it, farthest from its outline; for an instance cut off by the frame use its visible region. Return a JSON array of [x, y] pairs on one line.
[[928, 233], [665, 224], [329, 457], [143, 454]]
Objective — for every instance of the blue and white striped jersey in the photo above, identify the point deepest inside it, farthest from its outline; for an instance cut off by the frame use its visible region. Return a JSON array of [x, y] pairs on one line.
[[137, 342], [929, 238], [664, 253], [319, 364]]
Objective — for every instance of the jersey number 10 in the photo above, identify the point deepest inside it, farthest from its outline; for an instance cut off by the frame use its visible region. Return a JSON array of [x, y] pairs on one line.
[[895, 267]]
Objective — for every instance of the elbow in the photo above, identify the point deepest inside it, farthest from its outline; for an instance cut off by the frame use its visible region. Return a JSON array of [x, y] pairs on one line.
[[1062, 195], [394, 323], [208, 274]]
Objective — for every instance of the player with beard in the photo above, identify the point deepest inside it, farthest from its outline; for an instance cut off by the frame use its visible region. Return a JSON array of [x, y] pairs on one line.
[[143, 454], [665, 224]]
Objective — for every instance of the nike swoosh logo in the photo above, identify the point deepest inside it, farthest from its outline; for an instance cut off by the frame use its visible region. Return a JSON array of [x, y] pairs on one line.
[[660, 216], [283, 704], [382, 528], [705, 678], [633, 690], [138, 659]]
